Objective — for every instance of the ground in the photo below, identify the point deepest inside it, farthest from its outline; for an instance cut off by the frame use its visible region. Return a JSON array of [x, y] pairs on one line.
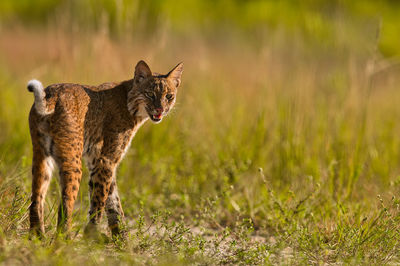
[[283, 148]]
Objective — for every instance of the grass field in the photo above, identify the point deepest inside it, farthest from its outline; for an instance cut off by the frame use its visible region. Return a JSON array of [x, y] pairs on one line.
[[283, 148]]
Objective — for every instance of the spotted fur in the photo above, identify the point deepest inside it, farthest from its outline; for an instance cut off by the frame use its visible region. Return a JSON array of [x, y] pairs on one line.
[[71, 122]]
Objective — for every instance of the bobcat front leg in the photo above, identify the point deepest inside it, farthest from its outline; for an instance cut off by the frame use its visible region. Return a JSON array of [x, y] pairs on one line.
[[101, 177], [115, 215]]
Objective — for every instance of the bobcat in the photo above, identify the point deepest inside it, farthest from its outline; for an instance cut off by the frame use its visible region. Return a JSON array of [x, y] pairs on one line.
[[69, 122]]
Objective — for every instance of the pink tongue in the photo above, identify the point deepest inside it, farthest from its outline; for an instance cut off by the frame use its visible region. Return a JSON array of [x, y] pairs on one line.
[[158, 116]]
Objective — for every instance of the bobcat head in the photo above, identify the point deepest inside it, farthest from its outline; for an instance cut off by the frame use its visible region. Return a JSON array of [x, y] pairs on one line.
[[157, 92]]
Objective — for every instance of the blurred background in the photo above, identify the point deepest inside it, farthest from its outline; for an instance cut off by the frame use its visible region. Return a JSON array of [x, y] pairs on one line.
[[296, 97]]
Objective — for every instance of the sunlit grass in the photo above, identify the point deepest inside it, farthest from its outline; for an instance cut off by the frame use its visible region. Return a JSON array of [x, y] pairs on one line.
[[278, 151]]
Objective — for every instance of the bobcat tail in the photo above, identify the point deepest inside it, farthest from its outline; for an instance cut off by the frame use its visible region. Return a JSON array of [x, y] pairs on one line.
[[36, 87]]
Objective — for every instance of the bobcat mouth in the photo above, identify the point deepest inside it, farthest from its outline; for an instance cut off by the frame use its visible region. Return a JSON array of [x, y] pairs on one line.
[[156, 118]]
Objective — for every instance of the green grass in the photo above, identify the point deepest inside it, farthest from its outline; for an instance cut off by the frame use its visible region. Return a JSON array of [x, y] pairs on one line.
[[283, 147]]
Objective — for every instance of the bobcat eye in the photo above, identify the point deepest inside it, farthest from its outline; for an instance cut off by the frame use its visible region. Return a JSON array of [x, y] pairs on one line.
[[169, 96], [150, 95]]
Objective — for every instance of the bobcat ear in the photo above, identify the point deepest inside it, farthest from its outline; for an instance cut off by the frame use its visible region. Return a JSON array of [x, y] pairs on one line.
[[175, 74], [142, 71]]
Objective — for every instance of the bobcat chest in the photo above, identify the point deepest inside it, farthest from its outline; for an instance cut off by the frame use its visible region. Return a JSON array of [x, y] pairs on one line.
[[113, 143]]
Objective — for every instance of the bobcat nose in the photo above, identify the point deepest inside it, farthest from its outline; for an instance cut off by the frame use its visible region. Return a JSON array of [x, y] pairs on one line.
[[159, 110]]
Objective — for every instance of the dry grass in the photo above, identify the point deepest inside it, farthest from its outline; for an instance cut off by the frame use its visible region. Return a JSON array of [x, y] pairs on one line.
[[276, 152]]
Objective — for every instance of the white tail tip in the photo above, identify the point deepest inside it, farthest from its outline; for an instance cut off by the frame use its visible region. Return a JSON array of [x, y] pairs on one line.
[[35, 85]]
